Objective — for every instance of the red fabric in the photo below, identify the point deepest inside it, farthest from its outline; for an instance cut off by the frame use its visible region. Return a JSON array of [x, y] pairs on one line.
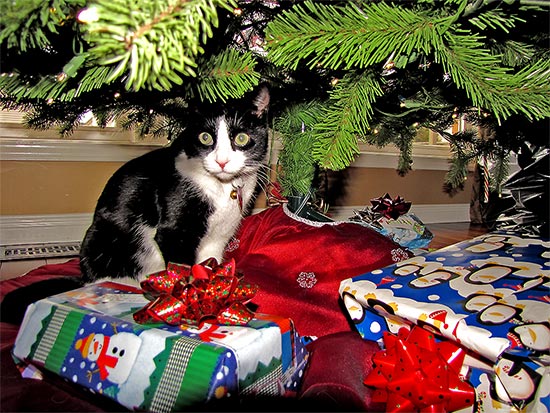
[[333, 379], [299, 264], [70, 268]]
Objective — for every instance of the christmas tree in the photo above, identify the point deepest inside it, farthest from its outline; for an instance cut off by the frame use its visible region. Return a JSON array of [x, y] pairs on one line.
[[341, 72]]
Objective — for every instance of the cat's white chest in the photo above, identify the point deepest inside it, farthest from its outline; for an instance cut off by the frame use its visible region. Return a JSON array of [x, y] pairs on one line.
[[227, 201]]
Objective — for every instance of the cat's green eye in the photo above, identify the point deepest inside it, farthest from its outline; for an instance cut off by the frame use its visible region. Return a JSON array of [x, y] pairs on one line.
[[206, 139], [242, 139]]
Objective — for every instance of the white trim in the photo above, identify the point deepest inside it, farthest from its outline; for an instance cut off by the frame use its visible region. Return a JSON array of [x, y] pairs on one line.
[[428, 214], [33, 229], [86, 144], [390, 160], [425, 157], [64, 150]]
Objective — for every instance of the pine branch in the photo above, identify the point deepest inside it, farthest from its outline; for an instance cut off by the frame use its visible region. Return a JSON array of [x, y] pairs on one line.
[[228, 74], [468, 146], [345, 119], [457, 174], [500, 171], [152, 43], [53, 87], [514, 53], [152, 124], [294, 127], [342, 37], [493, 19], [29, 24], [491, 86], [345, 36], [404, 142], [463, 151]]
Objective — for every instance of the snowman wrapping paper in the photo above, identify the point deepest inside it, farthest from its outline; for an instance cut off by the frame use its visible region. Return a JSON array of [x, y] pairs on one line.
[[490, 295], [88, 336]]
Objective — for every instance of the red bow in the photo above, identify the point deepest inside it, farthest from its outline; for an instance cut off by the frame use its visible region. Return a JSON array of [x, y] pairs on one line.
[[390, 208], [189, 294], [416, 373]]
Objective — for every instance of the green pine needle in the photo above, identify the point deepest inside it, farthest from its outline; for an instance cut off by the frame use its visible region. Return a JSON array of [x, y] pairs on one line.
[[227, 75]]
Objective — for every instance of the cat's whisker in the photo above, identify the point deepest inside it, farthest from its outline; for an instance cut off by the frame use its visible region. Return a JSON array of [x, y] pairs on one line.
[[262, 175], [265, 173], [263, 180]]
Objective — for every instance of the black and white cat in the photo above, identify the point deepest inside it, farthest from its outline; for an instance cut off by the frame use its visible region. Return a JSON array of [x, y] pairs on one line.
[[181, 203]]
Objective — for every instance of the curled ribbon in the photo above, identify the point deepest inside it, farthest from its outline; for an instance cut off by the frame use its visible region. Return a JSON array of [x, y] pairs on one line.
[[186, 294], [390, 208], [416, 373], [275, 194]]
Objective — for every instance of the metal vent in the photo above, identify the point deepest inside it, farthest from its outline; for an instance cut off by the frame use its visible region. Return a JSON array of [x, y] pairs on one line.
[[25, 252]]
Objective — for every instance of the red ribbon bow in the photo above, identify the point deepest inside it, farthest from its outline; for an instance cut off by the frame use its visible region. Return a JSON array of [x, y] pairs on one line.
[[390, 208], [189, 294], [416, 373]]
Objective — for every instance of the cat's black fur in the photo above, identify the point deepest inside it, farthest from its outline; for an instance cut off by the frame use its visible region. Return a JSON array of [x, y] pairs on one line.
[[164, 206]]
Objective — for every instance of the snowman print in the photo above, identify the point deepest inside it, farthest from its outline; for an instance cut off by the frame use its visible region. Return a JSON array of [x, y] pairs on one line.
[[114, 355]]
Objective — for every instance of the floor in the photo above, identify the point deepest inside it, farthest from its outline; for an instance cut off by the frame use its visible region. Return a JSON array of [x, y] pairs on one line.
[[444, 234], [451, 233]]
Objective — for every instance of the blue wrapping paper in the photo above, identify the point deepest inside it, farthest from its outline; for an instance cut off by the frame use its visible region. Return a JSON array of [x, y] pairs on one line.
[[490, 295]]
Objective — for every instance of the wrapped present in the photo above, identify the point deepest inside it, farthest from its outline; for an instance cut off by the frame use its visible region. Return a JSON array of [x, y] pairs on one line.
[[89, 337], [489, 295], [391, 217]]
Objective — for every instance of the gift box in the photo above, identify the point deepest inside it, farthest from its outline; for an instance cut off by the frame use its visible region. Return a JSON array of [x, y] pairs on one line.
[[89, 337], [489, 296], [391, 217]]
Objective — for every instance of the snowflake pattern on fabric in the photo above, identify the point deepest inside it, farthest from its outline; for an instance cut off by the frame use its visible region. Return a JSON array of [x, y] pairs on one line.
[[233, 245], [306, 279]]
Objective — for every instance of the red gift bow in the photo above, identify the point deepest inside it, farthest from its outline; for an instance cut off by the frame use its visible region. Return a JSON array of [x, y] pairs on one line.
[[189, 294], [390, 208], [415, 373]]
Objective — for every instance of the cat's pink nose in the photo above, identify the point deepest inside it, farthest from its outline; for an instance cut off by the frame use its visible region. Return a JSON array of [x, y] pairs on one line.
[[222, 163]]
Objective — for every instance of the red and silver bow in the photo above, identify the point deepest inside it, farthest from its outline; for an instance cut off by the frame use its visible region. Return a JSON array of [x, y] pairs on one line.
[[190, 294]]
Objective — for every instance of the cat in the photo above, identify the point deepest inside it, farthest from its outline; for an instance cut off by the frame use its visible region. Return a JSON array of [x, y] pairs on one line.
[[181, 203]]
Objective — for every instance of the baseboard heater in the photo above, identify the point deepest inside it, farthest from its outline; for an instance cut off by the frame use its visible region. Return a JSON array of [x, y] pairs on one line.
[[33, 251]]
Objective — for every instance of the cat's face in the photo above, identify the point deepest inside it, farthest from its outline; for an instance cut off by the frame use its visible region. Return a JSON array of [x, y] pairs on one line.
[[226, 143]]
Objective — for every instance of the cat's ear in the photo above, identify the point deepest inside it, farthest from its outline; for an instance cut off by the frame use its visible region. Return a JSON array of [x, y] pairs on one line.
[[261, 102]]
